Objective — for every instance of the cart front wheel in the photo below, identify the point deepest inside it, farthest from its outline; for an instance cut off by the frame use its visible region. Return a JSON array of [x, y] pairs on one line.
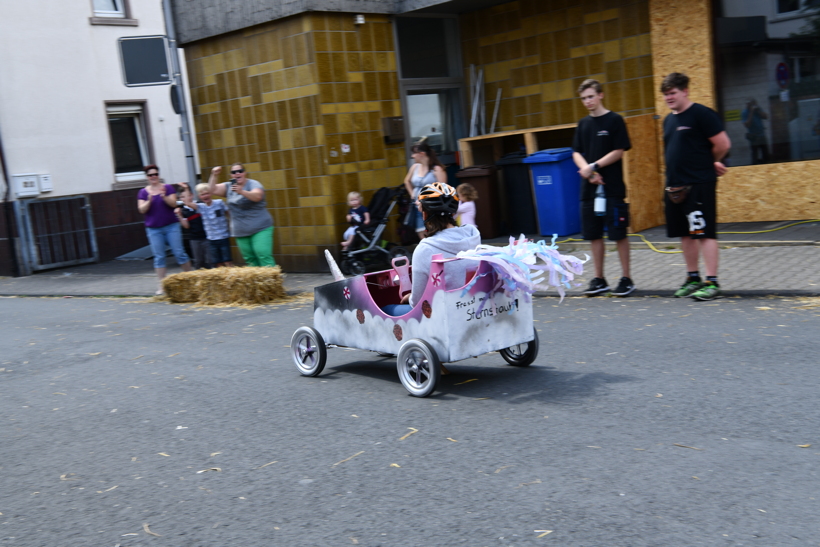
[[419, 367], [309, 351], [522, 355]]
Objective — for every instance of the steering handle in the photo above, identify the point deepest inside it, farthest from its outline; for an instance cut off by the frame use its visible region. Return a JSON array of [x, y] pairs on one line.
[[401, 265]]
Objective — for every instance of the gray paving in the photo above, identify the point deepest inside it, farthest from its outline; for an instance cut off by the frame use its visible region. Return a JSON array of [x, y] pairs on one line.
[[643, 422], [757, 262]]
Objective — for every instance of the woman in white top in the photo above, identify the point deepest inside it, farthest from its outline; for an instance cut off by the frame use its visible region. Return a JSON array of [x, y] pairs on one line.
[[427, 170]]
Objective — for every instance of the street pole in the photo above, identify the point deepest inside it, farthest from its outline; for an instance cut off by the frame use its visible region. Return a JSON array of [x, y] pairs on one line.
[[185, 132]]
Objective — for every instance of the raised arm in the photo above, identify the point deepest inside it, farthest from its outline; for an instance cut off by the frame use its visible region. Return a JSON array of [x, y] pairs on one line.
[[170, 199], [214, 188]]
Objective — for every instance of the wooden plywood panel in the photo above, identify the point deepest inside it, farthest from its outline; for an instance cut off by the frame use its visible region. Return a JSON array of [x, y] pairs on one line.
[[682, 42], [644, 185], [777, 191]]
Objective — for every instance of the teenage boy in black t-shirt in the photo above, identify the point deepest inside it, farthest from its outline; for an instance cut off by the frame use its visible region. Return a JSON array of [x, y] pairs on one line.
[[600, 142], [695, 144]]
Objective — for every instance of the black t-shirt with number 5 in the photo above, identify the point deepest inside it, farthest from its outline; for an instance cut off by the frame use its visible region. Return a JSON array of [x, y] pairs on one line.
[[595, 137], [686, 135]]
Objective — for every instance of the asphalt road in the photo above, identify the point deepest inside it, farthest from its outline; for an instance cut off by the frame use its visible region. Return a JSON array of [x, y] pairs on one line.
[[644, 421]]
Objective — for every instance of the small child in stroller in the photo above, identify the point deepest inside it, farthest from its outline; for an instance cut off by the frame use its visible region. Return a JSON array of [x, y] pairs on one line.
[[357, 216]]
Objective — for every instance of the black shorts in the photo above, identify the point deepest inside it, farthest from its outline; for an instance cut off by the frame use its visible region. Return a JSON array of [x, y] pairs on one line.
[[221, 250], [616, 220], [696, 216]]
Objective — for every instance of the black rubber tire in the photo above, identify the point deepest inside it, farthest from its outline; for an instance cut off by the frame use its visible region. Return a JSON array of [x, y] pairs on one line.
[[345, 266], [522, 355], [356, 267], [309, 351], [419, 367]]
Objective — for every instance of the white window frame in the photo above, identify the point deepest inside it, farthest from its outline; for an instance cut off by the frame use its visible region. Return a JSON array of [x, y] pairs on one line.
[[119, 13], [137, 112]]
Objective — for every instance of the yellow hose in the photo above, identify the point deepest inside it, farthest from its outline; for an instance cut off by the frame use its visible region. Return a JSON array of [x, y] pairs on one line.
[[649, 244]]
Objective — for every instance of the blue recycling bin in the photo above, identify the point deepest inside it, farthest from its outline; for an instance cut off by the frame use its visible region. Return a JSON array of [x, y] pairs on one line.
[[557, 187]]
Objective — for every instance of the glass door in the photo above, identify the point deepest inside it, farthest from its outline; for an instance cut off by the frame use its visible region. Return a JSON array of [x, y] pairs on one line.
[[435, 114]]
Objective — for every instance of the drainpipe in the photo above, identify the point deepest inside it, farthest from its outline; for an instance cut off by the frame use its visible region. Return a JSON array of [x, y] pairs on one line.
[[185, 132], [9, 209]]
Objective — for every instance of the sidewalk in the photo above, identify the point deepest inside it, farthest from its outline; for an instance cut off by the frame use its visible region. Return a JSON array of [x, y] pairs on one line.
[[784, 262]]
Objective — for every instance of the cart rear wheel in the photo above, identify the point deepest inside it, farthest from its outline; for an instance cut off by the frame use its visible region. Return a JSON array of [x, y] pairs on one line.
[[309, 351], [419, 367], [356, 267], [522, 355]]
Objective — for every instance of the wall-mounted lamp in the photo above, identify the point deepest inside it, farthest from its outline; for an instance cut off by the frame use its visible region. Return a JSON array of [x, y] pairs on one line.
[[358, 19]]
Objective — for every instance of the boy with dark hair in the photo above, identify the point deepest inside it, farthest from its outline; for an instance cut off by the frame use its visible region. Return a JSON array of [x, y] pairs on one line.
[[599, 144], [695, 143], [193, 232]]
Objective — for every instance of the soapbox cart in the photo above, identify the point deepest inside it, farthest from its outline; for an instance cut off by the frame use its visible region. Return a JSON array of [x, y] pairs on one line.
[[443, 327]]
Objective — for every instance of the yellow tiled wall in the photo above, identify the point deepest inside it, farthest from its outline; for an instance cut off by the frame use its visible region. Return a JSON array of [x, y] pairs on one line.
[[283, 98], [538, 52]]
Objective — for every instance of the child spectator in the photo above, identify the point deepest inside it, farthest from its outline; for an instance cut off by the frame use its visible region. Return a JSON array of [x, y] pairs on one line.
[[193, 231], [467, 195], [215, 220], [357, 216]]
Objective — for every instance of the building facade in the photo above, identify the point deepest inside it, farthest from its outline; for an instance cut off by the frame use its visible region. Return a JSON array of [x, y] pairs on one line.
[[74, 137]]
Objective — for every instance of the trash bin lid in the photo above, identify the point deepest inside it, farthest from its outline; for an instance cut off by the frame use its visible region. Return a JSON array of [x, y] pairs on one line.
[[476, 171], [546, 156], [513, 158]]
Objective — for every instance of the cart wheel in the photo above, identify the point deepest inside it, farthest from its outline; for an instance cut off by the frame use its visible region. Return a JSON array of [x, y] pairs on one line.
[[345, 266], [356, 267], [522, 355], [400, 251], [309, 351], [419, 367]]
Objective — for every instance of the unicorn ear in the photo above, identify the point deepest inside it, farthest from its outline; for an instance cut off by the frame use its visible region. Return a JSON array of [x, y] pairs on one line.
[[334, 269]]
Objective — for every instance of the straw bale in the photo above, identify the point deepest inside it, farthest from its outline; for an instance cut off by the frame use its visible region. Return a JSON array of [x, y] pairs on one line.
[[221, 286]]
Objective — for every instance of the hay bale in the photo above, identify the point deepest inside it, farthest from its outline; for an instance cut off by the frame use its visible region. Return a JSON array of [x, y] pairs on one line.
[[224, 286]]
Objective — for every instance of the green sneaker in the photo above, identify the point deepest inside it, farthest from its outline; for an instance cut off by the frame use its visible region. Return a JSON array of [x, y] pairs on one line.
[[709, 291], [688, 288]]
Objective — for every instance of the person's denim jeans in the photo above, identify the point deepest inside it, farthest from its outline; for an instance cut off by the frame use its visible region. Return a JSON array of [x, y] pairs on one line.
[[170, 235], [397, 310]]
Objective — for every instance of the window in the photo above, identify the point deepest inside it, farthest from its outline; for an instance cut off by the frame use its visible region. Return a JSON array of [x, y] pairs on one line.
[[431, 81], [768, 82], [129, 144], [790, 7], [424, 43], [435, 114], [109, 8], [111, 12], [787, 6]]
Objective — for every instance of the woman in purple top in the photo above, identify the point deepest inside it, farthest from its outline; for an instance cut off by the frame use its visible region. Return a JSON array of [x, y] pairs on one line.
[[157, 202]]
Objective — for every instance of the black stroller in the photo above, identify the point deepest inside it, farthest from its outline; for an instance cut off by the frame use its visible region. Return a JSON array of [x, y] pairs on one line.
[[368, 248]]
